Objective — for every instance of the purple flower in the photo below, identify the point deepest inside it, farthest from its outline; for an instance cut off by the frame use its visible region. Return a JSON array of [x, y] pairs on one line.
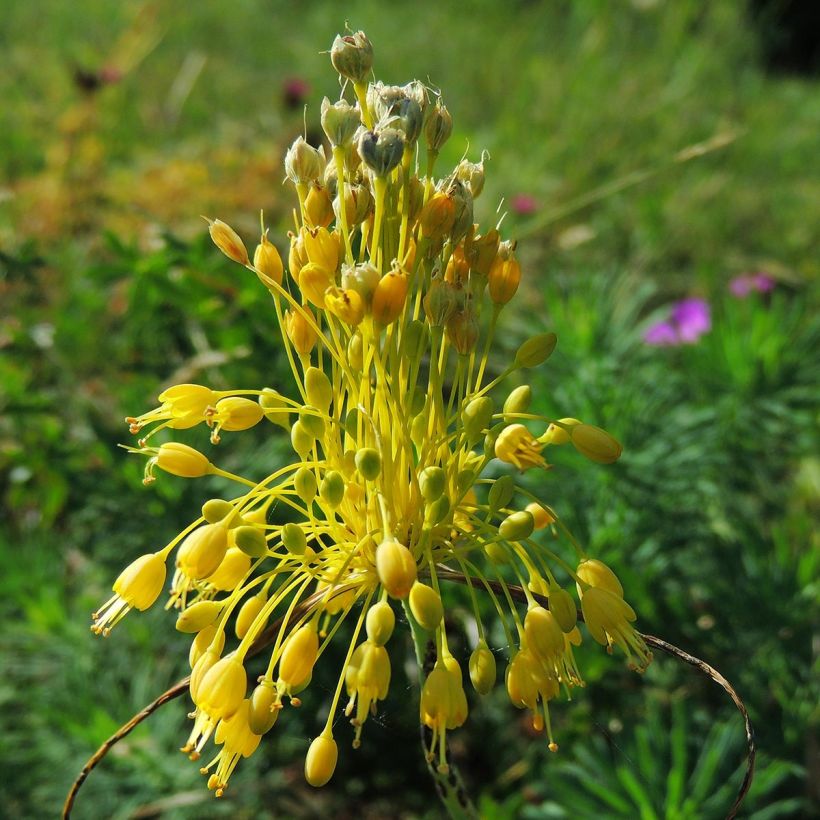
[[741, 286], [524, 204], [688, 320]]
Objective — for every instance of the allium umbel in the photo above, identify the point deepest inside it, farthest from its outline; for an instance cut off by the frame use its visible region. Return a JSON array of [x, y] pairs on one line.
[[387, 309]]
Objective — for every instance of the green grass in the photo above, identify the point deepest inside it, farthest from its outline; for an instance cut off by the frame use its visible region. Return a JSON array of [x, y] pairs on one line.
[[112, 290]]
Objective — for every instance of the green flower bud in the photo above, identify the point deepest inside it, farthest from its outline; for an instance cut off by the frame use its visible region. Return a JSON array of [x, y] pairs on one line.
[[216, 509], [340, 120], [352, 422], [304, 482], [251, 540], [465, 479], [415, 340], [311, 421], [262, 714], [293, 538], [352, 56], [594, 443], [437, 511], [275, 407], [476, 417], [418, 429], [517, 526], [431, 482], [501, 493], [332, 488], [355, 352], [318, 389], [301, 439], [381, 151], [518, 401], [417, 401], [368, 463], [536, 351]]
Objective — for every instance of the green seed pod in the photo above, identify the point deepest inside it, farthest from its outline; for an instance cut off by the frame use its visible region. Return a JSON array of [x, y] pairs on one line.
[[318, 389], [594, 443], [293, 537], [465, 479], [417, 401], [425, 604], [251, 540], [262, 713], [431, 482], [355, 352], [437, 511], [416, 339], [275, 407], [418, 429], [536, 350], [301, 439], [518, 401], [516, 526], [215, 510], [490, 439], [368, 463], [497, 553], [562, 606], [332, 488], [482, 668], [352, 422], [304, 482], [501, 493], [380, 623], [476, 417], [197, 616], [312, 422]]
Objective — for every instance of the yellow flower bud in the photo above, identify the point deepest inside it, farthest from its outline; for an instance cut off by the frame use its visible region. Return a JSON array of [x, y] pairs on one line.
[[251, 540], [318, 389], [346, 305], [202, 551], [541, 517], [228, 241], [297, 257], [187, 399], [563, 608], [222, 688], [437, 217], [558, 433], [202, 642], [248, 613], [216, 509], [544, 636], [425, 604], [323, 248], [314, 280], [380, 623], [482, 668], [594, 443], [518, 401], [140, 583], [396, 568], [231, 570], [267, 261], [597, 574], [275, 407], [264, 709], [318, 207], [482, 252], [200, 669], [321, 759], [237, 413], [300, 331], [199, 615], [181, 460], [476, 417], [504, 278], [389, 297], [516, 526], [299, 655], [517, 446]]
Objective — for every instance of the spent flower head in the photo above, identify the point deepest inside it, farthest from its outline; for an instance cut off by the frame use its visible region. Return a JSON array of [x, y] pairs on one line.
[[387, 309]]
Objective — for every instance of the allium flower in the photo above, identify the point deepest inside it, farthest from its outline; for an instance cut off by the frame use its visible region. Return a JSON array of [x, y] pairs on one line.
[[688, 320], [748, 283], [387, 316]]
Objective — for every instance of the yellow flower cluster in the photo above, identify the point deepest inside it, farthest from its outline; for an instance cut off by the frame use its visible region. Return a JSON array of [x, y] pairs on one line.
[[388, 305]]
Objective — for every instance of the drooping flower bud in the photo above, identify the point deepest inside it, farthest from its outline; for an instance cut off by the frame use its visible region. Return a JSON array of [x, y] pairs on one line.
[[181, 460], [425, 604], [380, 622], [482, 668], [396, 568], [594, 443], [321, 759], [202, 551]]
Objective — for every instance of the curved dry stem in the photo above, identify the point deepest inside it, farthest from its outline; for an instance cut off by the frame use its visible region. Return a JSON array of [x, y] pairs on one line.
[[517, 592]]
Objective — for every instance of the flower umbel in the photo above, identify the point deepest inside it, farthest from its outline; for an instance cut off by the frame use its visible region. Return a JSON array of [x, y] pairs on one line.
[[387, 310]]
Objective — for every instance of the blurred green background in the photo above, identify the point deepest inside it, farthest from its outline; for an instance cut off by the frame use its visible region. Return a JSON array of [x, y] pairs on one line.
[[121, 123]]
